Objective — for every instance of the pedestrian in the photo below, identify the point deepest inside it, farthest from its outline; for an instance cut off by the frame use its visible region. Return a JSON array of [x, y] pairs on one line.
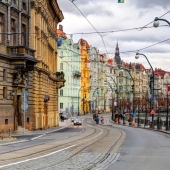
[[102, 120], [97, 119]]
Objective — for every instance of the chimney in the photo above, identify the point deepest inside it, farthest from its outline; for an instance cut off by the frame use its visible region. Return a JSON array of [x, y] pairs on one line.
[[61, 27]]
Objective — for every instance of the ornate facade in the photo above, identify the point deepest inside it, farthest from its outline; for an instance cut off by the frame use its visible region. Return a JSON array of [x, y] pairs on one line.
[[45, 16], [85, 103], [17, 61]]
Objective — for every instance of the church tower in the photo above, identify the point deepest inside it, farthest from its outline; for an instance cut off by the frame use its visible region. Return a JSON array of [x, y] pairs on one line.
[[117, 56]]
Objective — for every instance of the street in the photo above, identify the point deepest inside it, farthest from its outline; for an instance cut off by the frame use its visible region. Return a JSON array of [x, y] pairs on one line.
[[90, 146]]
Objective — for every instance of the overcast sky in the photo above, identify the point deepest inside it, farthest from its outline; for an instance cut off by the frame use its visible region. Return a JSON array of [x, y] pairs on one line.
[[109, 15]]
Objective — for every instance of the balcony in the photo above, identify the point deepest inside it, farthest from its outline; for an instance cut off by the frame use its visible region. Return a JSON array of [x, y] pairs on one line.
[[76, 74], [21, 51]]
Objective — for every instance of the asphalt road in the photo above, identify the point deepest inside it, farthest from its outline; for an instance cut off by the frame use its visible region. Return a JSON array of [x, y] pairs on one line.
[[143, 149], [54, 136]]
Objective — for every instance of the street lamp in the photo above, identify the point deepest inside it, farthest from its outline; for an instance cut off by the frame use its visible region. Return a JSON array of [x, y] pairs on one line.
[[112, 96], [116, 91], [152, 85], [133, 91], [156, 22]]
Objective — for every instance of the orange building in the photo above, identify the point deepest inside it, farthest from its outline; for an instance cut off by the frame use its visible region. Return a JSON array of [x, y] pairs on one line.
[[85, 101]]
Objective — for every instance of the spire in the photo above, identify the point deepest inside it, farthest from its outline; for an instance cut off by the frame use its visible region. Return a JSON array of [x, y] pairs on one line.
[[117, 56], [117, 49]]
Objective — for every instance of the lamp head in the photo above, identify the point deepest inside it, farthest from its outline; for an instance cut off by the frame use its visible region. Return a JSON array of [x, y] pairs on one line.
[[156, 22], [137, 55]]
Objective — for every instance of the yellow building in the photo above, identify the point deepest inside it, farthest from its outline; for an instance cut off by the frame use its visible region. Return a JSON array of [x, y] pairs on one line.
[[45, 16], [85, 77]]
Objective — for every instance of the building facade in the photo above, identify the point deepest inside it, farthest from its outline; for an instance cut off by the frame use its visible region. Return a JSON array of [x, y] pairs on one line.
[[45, 15], [93, 52], [18, 61], [85, 101], [69, 63]]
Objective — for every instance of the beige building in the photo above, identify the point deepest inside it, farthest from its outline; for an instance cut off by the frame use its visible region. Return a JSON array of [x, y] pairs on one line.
[[45, 15]]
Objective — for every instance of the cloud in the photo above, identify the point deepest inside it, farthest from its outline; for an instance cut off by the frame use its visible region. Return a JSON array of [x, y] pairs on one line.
[[150, 3], [109, 15]]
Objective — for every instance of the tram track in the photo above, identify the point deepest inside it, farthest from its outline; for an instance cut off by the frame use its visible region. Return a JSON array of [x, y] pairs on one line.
[[99, 134], [47, 150]]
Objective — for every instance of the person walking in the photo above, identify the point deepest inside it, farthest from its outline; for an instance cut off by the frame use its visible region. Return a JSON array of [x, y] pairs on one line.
[[102, 120], [97, 119]]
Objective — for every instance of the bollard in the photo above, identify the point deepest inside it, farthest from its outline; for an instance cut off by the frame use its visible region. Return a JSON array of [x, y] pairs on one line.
[[9, 132]]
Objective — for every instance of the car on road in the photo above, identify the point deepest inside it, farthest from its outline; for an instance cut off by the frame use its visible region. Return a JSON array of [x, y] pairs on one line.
[[73, 118], [77, 122]]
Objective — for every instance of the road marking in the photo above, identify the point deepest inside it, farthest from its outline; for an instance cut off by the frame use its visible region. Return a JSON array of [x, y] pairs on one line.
[[14, 142], [27, 160], [38, 137]]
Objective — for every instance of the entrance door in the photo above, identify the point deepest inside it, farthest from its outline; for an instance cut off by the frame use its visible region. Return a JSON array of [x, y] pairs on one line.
[[46, 114], [19, 110]]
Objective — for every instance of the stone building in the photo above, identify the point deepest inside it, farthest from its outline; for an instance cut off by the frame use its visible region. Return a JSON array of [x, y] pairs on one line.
[[17, 61], [45, 15], [28, 36]]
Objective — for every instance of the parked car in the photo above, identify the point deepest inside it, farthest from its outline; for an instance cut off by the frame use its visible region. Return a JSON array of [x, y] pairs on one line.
[[77, 122], [65, 117], [73, 118]]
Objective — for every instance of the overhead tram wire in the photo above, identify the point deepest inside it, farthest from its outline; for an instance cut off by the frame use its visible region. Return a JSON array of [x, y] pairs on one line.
[[153, 21], [90, 24]]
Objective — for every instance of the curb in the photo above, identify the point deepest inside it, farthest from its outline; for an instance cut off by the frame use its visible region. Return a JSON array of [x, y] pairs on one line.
[[142, 128]]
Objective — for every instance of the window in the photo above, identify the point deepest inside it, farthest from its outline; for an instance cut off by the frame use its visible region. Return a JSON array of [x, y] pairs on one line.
[[4, 75], [6, 121], [61, 92], [28, 119], [23, 35], [120, 81], [61, 54], [13, 30], [14, 2], [4, 92], [120, 88], [120, 73], [61, 66], [24, 6], [61, 105], [1, 28]]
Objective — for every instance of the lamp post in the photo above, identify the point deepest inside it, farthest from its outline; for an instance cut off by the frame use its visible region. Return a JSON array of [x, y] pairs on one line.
[[156, 24], [78, 99], [152, 84], [117, 90], [133, 91], [112, 97]]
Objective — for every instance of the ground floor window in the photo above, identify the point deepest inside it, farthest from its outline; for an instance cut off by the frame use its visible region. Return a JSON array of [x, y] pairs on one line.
[[61, 105]]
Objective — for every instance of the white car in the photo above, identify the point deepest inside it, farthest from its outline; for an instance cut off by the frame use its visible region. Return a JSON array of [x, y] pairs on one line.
[[77, 122]]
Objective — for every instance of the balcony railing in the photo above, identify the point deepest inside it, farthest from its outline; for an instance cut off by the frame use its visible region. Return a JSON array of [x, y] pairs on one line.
[[76, 73], [21, 51]]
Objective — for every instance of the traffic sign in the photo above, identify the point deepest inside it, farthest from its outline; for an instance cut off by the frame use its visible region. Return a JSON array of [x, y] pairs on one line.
[[24, 106], [152, 112], [24, 93]]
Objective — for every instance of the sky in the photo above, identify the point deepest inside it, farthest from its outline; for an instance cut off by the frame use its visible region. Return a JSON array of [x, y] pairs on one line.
[[109, 15]]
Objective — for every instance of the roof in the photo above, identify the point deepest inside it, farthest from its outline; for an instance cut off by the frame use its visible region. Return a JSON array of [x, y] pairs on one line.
[[60, 33], [82, 41]]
